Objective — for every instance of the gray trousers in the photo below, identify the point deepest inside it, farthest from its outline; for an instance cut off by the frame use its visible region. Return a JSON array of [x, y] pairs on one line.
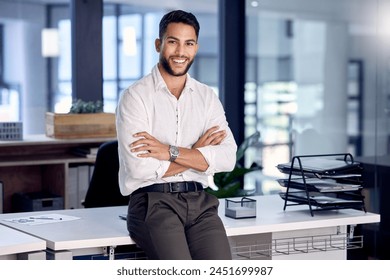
[[178, 226]]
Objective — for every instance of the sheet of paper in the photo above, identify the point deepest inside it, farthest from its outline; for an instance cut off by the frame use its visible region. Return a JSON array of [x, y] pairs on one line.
[[42, 219]]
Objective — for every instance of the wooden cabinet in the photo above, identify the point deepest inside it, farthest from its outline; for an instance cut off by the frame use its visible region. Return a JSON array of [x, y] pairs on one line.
[[40, 163]]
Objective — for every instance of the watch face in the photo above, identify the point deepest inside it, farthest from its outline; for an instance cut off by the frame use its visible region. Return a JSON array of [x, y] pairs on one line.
[[174, 151]]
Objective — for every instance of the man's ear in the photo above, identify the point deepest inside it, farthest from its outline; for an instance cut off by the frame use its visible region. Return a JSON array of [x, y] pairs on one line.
[[157, 44]]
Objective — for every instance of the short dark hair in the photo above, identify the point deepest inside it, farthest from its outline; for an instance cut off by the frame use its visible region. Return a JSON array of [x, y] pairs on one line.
[[178, 16]]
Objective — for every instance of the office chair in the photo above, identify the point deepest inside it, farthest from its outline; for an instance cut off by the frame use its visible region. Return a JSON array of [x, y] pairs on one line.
[[103, 189]]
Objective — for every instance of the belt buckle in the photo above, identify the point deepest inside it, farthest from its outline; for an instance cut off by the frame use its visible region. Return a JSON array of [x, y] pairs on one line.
[[172, 189], [177, 190]]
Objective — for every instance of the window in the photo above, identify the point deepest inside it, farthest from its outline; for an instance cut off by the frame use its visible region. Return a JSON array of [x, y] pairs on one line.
[[129, 33], [126, 62], [63, 90], [128, 41], [10, 98]]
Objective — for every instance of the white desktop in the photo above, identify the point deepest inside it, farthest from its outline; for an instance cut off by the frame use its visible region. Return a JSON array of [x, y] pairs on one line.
[[273, 234]]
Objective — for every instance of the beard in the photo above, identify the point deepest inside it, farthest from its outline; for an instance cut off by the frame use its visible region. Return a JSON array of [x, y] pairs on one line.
[[165, 64]]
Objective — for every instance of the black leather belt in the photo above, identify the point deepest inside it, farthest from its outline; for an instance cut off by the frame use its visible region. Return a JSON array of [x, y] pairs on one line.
[[176, 187]]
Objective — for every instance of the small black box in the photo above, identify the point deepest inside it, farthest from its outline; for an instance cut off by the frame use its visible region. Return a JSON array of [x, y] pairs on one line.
[[36, 201]]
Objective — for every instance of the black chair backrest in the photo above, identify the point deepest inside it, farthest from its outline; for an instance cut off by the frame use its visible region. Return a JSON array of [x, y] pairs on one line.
[[104, 187]]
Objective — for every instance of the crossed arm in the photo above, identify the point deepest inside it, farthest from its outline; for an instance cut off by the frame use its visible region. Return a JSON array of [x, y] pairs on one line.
[[149, 146]]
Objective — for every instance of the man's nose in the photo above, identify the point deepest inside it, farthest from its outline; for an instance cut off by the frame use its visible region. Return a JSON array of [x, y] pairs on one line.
[[179, 49]]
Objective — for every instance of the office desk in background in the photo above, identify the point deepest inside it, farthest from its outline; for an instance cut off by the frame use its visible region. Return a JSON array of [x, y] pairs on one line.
[[273, 234]]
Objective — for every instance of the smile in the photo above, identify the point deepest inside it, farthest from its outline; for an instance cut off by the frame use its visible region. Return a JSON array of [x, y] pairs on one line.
[[179, 60]]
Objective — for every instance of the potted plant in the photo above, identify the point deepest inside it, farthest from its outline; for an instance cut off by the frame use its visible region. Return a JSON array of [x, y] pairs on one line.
[[229, 184], [84, 120]]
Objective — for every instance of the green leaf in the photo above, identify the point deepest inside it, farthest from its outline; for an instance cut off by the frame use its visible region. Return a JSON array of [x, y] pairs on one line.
[[228, 191], [250, 141], [237, 173], [82, 107], [229, 183]]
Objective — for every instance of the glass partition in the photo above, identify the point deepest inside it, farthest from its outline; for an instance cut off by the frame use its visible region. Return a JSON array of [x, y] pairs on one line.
[[317, 81]]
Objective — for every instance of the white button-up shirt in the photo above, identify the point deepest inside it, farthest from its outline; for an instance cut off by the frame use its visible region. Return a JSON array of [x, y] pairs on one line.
[[147, 105]]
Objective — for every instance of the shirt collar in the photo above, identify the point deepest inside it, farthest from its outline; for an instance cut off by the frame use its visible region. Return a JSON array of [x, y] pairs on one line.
[[160, 84]]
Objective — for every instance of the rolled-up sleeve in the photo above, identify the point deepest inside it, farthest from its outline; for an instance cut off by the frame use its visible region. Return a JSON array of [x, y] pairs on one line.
[[222, 157], [132, 117]]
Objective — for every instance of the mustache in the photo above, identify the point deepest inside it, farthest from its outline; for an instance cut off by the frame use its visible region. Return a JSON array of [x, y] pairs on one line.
[[179, 57]]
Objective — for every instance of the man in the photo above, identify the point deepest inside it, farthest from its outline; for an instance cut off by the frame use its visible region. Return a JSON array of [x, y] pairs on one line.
[[173, 135]]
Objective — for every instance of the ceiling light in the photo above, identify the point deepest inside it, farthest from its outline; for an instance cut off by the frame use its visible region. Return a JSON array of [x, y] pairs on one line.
[[129, 41], [50, 42]]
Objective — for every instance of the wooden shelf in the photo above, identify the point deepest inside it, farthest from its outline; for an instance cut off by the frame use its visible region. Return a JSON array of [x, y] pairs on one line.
[[40, 163], [43, 160], [41, 139]]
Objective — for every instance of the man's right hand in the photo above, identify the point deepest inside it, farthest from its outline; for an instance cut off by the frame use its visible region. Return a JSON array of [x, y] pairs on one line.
[[210, 137], [192, 157]]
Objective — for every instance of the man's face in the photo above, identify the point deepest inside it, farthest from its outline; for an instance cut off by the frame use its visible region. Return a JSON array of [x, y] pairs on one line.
[[177, 48]]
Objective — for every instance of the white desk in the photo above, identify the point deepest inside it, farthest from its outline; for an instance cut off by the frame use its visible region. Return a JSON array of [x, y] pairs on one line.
[[15, 244], [270, 217], [101, 227], [273, 226], [96, 229]]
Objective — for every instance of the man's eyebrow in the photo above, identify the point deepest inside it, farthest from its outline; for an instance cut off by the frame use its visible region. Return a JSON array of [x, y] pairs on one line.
[[177, 39], [191, 40]]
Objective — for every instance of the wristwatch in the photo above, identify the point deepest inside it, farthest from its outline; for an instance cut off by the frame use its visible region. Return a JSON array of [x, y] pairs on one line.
[[173, 152]]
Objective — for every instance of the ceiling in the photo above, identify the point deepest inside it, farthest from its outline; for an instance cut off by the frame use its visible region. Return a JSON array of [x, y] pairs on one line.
[[353, 11], [198, 5]]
